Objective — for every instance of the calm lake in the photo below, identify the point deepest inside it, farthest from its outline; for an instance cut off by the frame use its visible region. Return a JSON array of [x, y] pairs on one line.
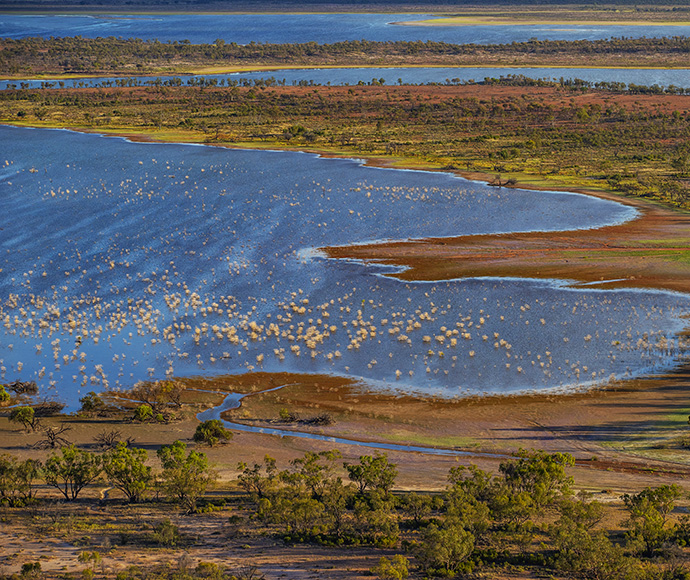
[[321, 28], [125, 261]]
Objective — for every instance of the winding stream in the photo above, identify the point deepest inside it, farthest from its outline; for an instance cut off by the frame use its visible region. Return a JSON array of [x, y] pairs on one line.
[[234, 401]]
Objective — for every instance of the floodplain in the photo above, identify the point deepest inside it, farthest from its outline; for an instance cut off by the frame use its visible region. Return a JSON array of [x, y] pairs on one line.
[[316, 260]]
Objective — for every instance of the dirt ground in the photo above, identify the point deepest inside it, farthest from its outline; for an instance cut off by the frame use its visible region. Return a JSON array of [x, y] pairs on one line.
[[624, 439], [647, 252]]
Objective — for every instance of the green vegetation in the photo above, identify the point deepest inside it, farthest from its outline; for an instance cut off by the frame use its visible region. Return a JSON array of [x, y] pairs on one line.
[[91, 404], [126, 467], [71, 470], [26, 416], [78, 55], [397, 568], [523, 517], [143, 413], [166, 533], [212, 432], [185, 477], [563, 134], [17, 480]]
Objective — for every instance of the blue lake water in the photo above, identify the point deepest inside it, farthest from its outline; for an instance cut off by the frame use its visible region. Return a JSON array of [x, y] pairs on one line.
[[321, 28], [408, 75], [124, 261]]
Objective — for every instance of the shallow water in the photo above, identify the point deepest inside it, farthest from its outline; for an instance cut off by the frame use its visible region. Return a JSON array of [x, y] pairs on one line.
[[321, 28], [125, 261], [405, 75], [234, 400]]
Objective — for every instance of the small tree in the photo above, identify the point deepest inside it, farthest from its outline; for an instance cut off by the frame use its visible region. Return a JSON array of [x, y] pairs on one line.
[[185, 476], [143, 413], [4, 396], [26, 416], [372, 473], [541, 475], [375, 519], [126, 468], [72, 470], [444, 549], [316, 469], [335, 498], [166, 533], [298, 512], [91, 404], [159, 394], [648, 512], [532, 483], [416, 506], [211, 432], [53, 437], [253, 481], [17, 479], [590, 554]]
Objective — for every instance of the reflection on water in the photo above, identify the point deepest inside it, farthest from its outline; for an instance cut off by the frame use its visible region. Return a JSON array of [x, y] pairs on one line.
[[124, 261], [402, 75]]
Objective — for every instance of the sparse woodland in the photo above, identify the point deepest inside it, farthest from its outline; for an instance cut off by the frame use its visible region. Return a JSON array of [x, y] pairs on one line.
[[526, 517], [631, 140]]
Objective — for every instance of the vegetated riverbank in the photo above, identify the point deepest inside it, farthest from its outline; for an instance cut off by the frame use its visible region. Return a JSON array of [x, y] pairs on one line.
[[558, 135], [28, 57]]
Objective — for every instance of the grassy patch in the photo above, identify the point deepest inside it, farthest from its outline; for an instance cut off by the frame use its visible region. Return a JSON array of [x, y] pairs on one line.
[[448, 441]]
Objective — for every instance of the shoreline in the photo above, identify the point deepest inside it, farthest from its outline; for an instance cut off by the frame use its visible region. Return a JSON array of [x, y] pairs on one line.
[[625, 250], [517, 413], [483, 429], [501, 21], [648, 252]]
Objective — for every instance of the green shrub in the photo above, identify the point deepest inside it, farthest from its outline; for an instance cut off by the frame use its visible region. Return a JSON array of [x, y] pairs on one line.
[[211, 432], [143, 413], [166, 533]]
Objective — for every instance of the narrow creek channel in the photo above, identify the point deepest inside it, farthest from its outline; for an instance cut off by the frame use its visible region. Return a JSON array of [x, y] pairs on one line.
[[234, 401]]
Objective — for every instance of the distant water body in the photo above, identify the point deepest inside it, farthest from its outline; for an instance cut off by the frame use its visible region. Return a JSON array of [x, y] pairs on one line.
[[125, 261], [406, 75], [321, 28]]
